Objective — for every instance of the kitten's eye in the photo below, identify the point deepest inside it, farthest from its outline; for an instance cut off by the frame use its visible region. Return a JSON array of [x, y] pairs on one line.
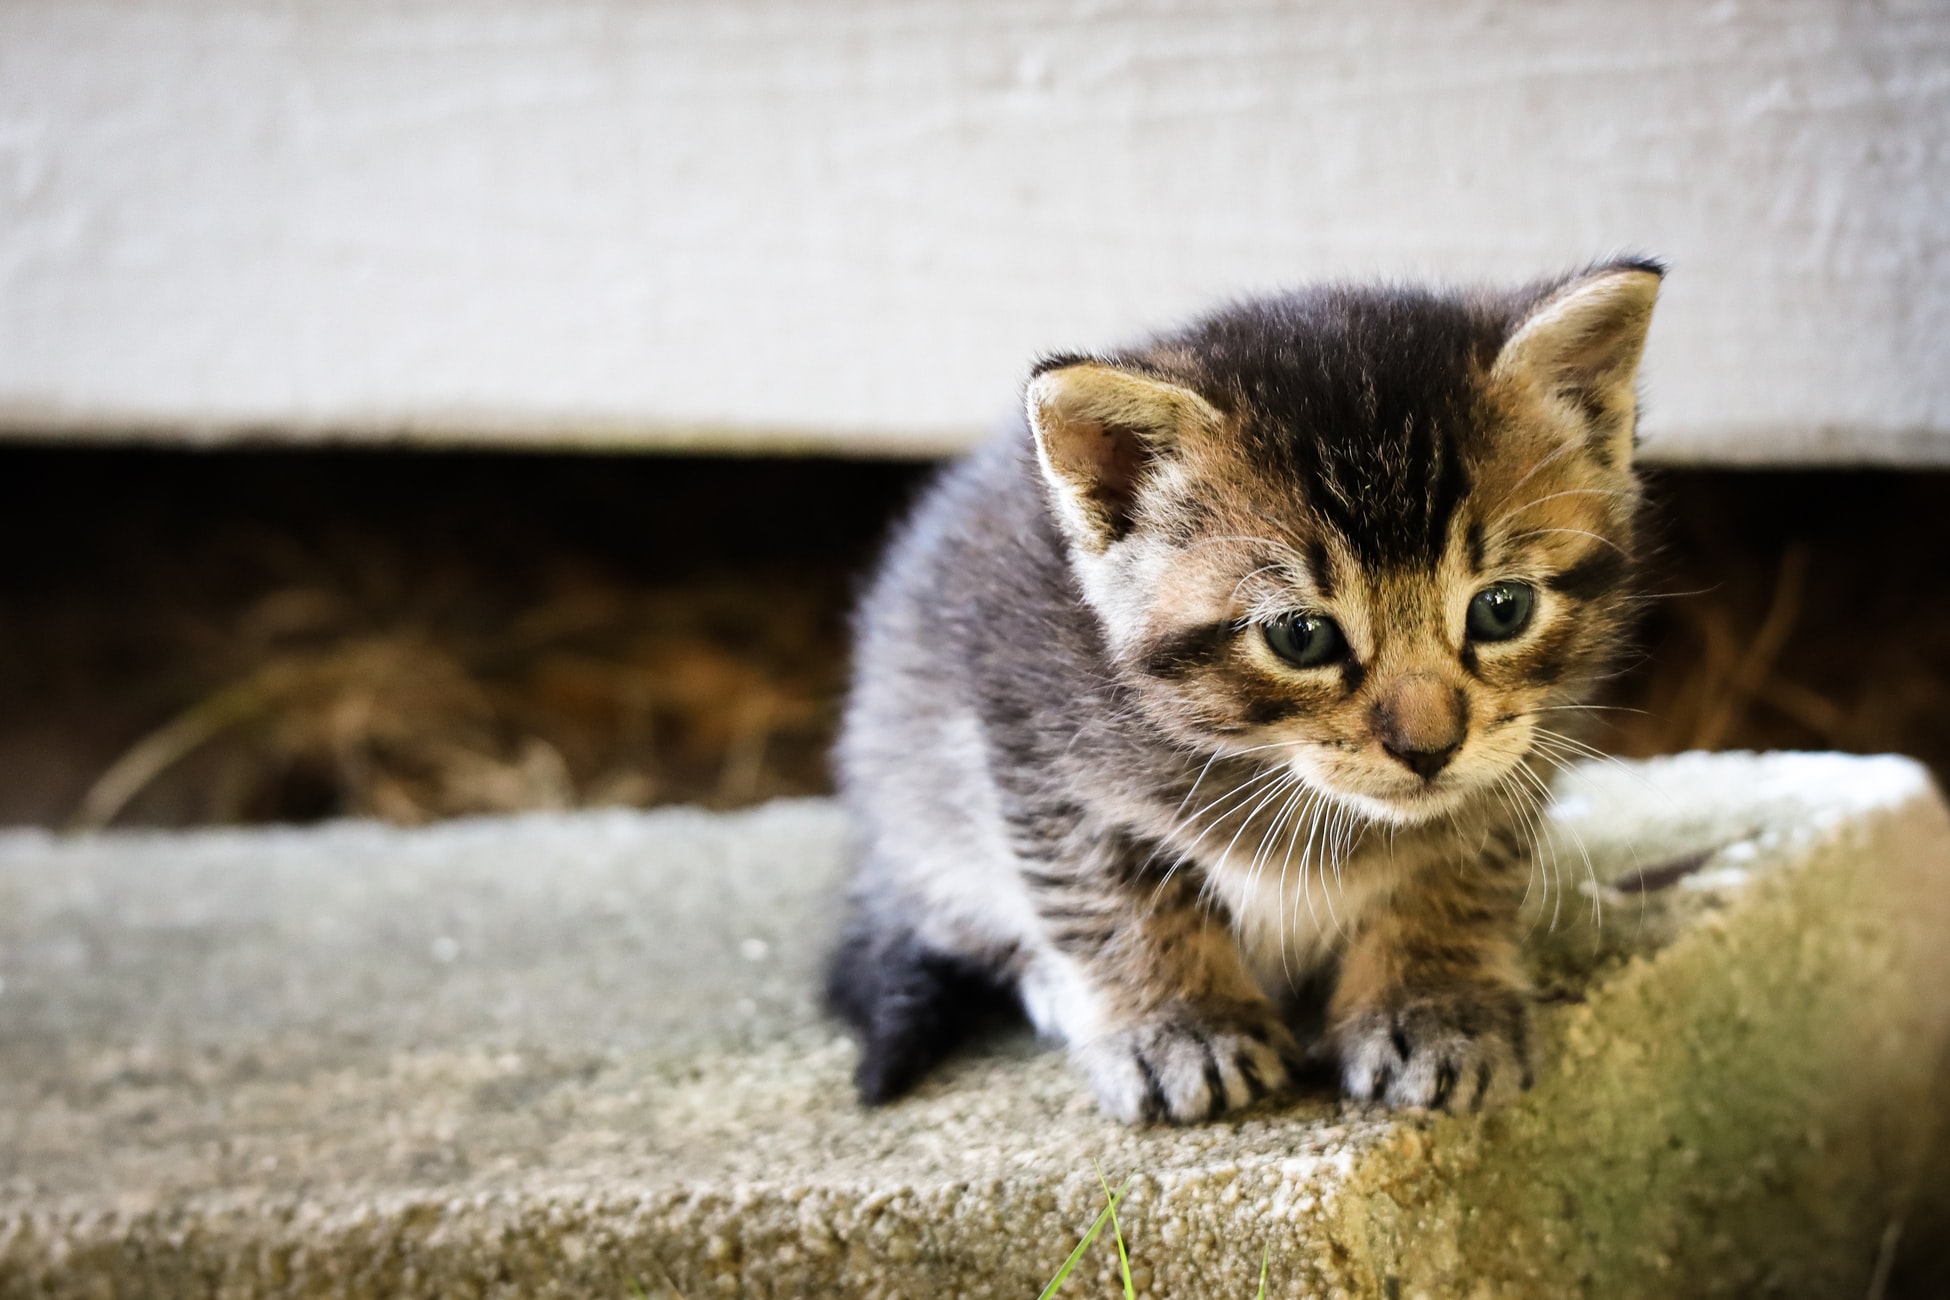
[[1500, 611], [1305, 640]]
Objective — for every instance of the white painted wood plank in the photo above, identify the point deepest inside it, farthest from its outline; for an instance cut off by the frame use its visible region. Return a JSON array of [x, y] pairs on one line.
[[763, 223]]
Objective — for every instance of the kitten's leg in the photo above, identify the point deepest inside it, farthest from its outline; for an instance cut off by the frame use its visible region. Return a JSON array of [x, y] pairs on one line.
[[1431, 1007], [1146, 985], [910, 1004]]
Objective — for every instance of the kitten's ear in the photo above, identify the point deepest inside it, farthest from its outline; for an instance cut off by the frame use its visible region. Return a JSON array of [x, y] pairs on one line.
[[1100, 433], [1581, 344]]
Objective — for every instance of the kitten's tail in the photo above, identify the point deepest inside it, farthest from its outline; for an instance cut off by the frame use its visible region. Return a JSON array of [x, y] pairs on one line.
[[910, 1004]]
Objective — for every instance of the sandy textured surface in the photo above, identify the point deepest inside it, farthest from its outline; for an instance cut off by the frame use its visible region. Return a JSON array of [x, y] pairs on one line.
[[578, 1055]]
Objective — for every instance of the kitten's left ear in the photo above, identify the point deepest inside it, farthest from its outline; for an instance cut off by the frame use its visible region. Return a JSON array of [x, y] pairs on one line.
[[1101, 432], [1581, 344]]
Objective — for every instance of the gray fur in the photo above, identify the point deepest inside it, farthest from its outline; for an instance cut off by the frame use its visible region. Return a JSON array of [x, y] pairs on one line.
[[1060, 768]]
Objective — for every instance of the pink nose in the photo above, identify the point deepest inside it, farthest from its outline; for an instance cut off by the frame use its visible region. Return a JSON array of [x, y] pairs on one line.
[[1421, 722]]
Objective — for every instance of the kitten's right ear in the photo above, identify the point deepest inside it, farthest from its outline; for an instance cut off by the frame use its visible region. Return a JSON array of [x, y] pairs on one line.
[[1101, 433]]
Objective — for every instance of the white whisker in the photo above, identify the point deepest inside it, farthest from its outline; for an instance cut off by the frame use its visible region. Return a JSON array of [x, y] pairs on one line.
[[1568, 492], [1312, 801], [1590, 871], [1531, 473], [1581, 532]]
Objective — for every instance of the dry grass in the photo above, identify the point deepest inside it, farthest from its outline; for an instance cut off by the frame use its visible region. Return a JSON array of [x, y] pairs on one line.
[[288, 659], [1799, 612], [599, 695], [505, 647]]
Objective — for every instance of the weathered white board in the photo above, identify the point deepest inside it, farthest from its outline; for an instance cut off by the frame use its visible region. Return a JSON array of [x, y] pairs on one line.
[[768, 223]]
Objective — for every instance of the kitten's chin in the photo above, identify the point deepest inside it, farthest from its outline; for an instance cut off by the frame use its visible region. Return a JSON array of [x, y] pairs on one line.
[[1415, 807]]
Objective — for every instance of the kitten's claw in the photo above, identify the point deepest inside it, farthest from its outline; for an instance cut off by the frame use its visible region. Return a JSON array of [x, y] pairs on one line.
[[1454, 1052], [1183, 1069]]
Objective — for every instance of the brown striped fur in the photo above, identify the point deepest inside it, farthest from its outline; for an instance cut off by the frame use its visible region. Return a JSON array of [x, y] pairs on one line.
[[1081, 769]]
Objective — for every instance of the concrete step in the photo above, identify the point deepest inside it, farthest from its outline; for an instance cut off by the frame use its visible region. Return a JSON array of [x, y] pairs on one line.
[[579, 1055]]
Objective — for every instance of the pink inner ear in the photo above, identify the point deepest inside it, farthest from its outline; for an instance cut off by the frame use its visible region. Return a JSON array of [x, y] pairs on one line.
[[1117, 457]]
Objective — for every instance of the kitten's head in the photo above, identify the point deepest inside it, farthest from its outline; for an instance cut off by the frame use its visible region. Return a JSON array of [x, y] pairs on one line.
[[1380, 533]]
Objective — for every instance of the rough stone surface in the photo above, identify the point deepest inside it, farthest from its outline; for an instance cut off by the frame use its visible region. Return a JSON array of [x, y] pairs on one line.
[[578, 1055]]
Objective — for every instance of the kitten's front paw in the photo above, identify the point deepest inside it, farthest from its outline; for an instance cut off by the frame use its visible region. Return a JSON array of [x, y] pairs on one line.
[[1455, 1051], [1187, 1067]]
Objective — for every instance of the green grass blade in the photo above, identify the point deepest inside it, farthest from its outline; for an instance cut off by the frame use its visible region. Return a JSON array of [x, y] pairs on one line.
[[1123, 1259], [1077, 1254], [1265, 1254]]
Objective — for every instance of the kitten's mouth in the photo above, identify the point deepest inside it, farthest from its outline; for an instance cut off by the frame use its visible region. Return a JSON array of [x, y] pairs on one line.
[[1428, 799], [1406, 805]]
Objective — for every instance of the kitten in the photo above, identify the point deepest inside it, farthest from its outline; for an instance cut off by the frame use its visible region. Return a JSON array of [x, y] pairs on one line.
[[1229, 676]]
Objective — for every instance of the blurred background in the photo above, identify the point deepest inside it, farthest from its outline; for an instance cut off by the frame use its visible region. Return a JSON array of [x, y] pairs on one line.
[[414, 409]]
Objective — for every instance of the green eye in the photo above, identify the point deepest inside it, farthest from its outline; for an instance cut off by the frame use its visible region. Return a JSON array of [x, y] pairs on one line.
[[1501, 611], [1305, 640]]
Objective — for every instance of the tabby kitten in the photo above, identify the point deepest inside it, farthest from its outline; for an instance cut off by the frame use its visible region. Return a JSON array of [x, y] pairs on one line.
[[1225, 679]]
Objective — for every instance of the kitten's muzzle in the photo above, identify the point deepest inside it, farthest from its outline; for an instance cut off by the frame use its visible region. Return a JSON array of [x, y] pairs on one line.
[[1421, 722]]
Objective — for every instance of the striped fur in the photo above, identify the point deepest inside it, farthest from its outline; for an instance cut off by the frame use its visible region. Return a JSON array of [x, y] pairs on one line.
[[1082, 773]]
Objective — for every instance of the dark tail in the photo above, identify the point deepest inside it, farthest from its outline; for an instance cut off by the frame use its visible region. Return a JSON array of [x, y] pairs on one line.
[[911, 1005]]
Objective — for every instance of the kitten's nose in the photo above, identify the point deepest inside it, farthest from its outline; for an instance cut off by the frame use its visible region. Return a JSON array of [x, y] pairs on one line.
[[1421, 722], [1425, 763]]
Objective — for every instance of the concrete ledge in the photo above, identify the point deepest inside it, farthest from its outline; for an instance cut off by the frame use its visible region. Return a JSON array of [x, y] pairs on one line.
[[577, 1055]]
